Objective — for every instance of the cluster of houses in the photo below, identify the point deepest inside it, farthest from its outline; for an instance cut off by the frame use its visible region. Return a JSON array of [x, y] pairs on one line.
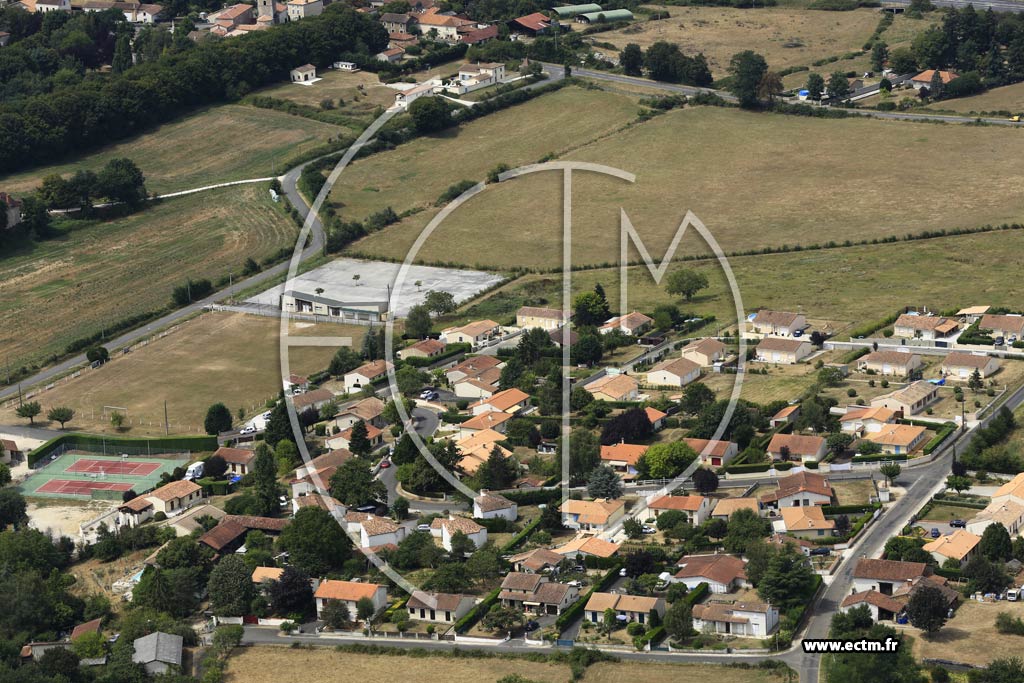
[[135, 12]]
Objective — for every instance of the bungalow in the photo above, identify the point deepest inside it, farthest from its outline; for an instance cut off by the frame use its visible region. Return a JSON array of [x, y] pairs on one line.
[[962, 366], [882, 607], [536, 560], [474, 333], [675, 372], [333, 458], [312, 400], [959, 546], [511, 401], [369, 410], [446, 528], [425, 348], [349, 593], [532, 24], [1005, 326], [614, 388], [899, 439], [225, 538], [777, 323], [535, 593], [782, 350], [804, 522], [592, 515], [472, 366], [239, 460], [1006, 508], [492, 419], [475, 449], [303, 74], [440, 608], [631, 607], [397, 54], [744, 619], [895, 363], [623, 457], [800, 489], [588, 546], [725, 508], [473, 77], [544, 318], [695, 507], [706, 352], [493, 506], [722, 573], [909, 400], [913, 326], [656, 418], [175, 496], [634, 324], [713, 452], [798, 447], [187, 523], [376, 532], [263, 575], [343, 439], [886, 576], [785, 416], [158, 652], [860, 421], [366, 375], [924, 79]]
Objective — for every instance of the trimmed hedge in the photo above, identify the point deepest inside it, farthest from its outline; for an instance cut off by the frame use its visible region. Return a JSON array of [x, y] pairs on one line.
[[477, 613], [954, 574], [450, 351], [758, 467], [518, 539], [957, 502], [535, 497], [939, 438], [576, 610], [869, 328], [160, 444], [653, 636], [848, 509], [880, 457], [697, 594]]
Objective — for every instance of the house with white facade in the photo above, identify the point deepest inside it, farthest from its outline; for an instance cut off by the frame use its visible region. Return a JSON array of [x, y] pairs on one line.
[[744, 619]]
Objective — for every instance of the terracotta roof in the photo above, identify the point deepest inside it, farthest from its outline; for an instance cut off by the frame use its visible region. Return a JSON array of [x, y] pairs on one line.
[[959, 359], [377, 526], [88, 627], [599, 602], [589, 545], [888, 570], [463, 524], [316, 500], [879, 414], [366, 409], [636, 604], [630, 321], [728, 612], [488, 420], [653, 414], [707, 346], [957, 545], [552, 593], [592, 511], [476, 328], [535, 22], [222, 535], [785, 412], [926, 76], [896, 435], [348, 591], [717, 448], [371, 432], [912, 393], [520, 581], [783, 344], [777, 318], [448, 602], [8, 445], [680, 367], [537, 311], [628, 453], [174, 490], [393, 18], [727, 506], [1006, 513], [233, 12], [260, 574], [478, 35], [489, 502], [973, 310], [537, 559], [261, 523], [331, 459], [503, 400], [1013, 323], [799, 483], [898, 358], [684, 503], [238, 456], [783, 539], [1014, 487], [722, 569], [428, 347], [474, 365], [303, 401], [798, 444], [137, 504], [372, 370], [806, 518], [432, 18], [615, 386], [920, 322]]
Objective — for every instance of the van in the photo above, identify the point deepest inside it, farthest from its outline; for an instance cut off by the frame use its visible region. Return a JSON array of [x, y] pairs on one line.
[[1012, 594], [194, 471]]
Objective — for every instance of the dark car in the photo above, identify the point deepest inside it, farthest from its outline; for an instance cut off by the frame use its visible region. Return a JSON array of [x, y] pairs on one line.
[[935, 532], [821, 551], [958, 523], [532, 626]]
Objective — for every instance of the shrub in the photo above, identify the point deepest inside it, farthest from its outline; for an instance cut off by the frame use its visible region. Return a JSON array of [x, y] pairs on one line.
[[635, 629]]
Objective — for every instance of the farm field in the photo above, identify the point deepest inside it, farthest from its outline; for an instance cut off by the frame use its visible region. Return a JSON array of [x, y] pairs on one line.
[[415, 174], [785, 37], [105, 272], [1007, 98], [218, 357], [264, 664], [753, 179], [220, 144], [361, 93], [970, 636]]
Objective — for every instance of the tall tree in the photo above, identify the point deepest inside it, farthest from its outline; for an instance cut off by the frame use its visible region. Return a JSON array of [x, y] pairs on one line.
[[278, 425], [122, 53], [439, 302], [995, 543], [359, 439], [927, 608], [292, 593], [265, 488], [354, 484], [686, 283], [497, 472], [315, 542], [604, 482], [705, 481], [418, 322], [838, 86], [218, 419], [632, 60], [747, 68], [584, 455], [788, 579], [230, 587]]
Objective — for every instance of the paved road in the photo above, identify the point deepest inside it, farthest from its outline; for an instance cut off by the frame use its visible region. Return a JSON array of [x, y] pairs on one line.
[[427, 422], [29, 432]]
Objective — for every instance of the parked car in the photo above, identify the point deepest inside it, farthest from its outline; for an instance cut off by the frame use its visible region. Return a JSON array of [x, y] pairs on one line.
[[999, 341], [426, 392], [367, 508], [384, 464], [821, 551], [622, 572], [532, 625], [958, 523], [422, 527], [935, 533], [432, 396], [650, 530]]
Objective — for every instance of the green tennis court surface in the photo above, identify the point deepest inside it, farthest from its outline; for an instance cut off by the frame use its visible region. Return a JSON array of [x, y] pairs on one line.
[[83, 476]]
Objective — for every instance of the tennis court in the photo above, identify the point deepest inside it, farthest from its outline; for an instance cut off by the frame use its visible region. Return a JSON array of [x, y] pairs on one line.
[[84, 476]]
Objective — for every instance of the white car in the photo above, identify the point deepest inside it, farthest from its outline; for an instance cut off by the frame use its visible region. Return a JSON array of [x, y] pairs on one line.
[[650, 530]]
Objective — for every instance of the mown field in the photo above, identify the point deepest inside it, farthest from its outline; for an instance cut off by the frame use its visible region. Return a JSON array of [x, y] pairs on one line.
[[755, 180], [218, 357], [220, 144], [269, 664], [58, 290], [415, 174], [358, 95], [785, 37], [1007, 98]]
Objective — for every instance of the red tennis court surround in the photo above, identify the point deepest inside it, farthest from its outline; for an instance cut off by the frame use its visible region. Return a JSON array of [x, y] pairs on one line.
[[80, 488], [127, 467]]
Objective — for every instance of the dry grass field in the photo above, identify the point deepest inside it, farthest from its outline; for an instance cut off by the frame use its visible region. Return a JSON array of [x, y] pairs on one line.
[[415, 174], [269, 664], [970, 636], [785, 37], [71, 286], [220, 144], [755, 180], [360, 93], [1008, 98], [218, 357]]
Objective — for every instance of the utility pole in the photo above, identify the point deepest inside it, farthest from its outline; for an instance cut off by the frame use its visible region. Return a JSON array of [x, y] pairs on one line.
[[167, 426]]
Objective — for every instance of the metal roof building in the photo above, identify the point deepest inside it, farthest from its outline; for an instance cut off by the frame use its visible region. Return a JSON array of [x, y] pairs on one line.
[[569, 11], [606, 15]]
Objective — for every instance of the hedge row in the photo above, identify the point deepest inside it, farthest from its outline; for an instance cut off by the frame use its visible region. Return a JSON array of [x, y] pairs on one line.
[[869, 328], [158, 445], [534, 497], [697, 594], [652, 636], [450, 351], [939, 437], [758, 467], [477, 613], [847, 509], [958, 502], [576, 610], [518, 539], [880, 457], [954, 574]]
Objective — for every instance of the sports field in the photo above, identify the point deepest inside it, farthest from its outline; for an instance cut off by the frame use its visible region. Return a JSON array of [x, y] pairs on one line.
[[220, 144], [104, 272], [82, 475], [755, 180]]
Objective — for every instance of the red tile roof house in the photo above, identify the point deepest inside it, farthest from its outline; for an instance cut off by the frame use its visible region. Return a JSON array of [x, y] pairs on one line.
[[722, 573], [924, 79], [786, 415], [633, 324], [799, 447], [440, 608], [446, 528], [366, 375], [343, 439], [175, 497], [237, 459], [894, 363], [886, 576], [350, 593], [714, 453], [426, 348], [696, 508], [744, 619], [924, 326], [370, 410], [801, 489], [536, 593], [961, 366], [532, 24], [777, 323], [656, 417], [623, 458]]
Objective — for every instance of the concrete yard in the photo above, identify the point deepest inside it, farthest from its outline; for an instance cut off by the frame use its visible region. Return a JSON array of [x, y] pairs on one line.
[[354, 280]]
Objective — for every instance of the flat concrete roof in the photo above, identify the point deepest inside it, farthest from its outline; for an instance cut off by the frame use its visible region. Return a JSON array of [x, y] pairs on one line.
[[339, 283]]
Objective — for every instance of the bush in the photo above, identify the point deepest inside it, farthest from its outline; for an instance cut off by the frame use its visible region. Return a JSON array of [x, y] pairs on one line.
[[635, 629]]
